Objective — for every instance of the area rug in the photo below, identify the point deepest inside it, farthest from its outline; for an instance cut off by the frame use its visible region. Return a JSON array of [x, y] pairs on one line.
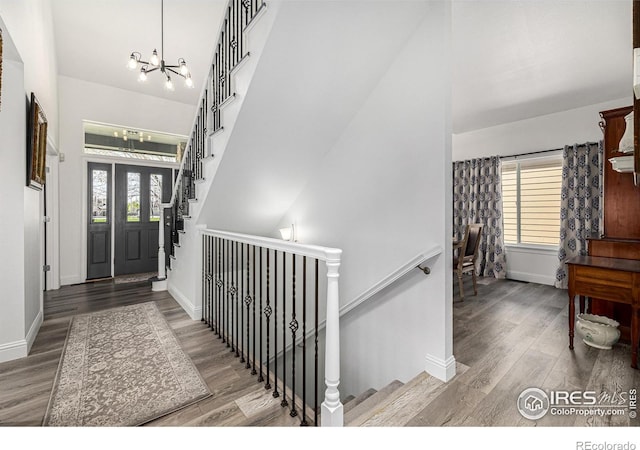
[[122, 367], [134, 278]]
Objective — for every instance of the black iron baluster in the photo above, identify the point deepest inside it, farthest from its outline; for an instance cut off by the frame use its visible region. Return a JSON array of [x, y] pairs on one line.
[[303, 422], [232, 311], [227, 291], [248, 300], [253, 306], [315, 409], [212, 242], [275, 324], [237, 300], [284, 402], [260, 378], [293, 326], [204, 278], [267, 314], [241, 289], [218, 284]]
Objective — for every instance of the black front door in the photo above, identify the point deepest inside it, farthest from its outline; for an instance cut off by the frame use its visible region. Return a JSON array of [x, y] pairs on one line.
[[99, 221], [139, 192]]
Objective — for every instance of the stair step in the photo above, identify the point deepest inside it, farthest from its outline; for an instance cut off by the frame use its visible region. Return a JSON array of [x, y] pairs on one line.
[[349, 405], [363, 410], [192, 200], [398, 409], [346, 401], [199, 180]]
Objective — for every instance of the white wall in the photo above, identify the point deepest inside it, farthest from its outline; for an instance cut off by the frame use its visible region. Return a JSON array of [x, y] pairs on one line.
[[540, 133], [82, 100], [20, 307], [30, 23], [380, 194], [29, 66]]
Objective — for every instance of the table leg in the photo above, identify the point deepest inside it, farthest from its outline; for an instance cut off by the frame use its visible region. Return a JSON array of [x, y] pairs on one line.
[[572, 313], [634, 338], [589, 301], [581, 304]]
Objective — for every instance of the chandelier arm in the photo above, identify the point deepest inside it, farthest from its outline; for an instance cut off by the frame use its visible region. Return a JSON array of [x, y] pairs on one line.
[[151, 70], [144, 62], [169, 68]]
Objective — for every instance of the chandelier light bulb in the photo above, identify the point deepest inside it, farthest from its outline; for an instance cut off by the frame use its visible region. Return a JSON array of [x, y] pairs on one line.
[[184, 70], [133, 62], [188, 81], [141, 137], [125, 138], [143, 74], [154, 58], [169, 84]]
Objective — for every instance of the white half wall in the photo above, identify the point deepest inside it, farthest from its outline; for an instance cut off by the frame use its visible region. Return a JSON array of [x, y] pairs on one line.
[[380, 194], [82, 100], [539, 133]]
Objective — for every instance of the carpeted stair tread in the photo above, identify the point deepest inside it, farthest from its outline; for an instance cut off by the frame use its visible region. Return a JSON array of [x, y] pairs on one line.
[[364, 408], [349, 405]]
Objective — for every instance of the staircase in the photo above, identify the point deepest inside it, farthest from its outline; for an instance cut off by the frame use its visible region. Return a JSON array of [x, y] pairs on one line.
[[209, 272], [395, 405]]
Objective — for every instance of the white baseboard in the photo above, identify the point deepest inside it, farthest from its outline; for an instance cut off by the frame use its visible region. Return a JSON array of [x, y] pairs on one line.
[[13, 350], [33, 331], [74, 279], [531, 277], [443, 370], [194, 312]]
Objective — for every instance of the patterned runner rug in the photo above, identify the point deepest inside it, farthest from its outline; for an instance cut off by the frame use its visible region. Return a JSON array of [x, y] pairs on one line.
[[122, 367]]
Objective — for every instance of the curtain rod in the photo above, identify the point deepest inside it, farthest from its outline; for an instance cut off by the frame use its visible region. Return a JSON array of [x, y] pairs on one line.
[[546, 151]]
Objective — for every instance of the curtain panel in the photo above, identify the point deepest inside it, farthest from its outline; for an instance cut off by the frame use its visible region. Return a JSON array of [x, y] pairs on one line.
[[477, 198], [581, 202]]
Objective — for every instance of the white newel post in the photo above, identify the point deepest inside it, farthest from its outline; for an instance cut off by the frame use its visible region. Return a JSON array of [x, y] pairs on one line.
[[162, 268], [160, 284], [332, 413]]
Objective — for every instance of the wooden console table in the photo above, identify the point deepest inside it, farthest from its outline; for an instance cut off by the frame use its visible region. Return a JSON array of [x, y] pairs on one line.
[[612, 279]]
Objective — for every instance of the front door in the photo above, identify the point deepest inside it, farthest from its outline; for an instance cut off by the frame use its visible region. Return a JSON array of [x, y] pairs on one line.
[[99, 221], [139, 192]]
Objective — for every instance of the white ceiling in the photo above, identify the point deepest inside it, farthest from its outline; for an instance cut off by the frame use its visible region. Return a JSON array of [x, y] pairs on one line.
[[94, 39], [512, 59]]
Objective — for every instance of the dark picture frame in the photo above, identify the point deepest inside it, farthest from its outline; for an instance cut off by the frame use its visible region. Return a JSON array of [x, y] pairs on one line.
[[36, 145]]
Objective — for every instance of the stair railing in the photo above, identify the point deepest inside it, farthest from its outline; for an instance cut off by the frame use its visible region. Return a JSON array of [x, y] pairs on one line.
[[231, 50], [259, 295]]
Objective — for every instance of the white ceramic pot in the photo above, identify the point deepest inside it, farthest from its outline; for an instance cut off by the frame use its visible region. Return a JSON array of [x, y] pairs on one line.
[[597, 331]]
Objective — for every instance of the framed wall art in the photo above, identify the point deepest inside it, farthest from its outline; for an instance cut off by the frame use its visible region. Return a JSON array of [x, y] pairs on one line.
[[36, 145]]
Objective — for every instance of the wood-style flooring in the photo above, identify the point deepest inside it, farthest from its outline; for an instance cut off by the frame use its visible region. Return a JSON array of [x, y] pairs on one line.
[[238, 399], [509, 337]]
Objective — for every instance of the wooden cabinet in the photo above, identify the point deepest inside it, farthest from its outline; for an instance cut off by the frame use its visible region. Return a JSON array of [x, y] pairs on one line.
[[621, 201]]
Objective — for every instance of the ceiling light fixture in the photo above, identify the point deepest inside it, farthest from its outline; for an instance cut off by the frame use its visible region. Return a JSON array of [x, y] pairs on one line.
[[157, 62]]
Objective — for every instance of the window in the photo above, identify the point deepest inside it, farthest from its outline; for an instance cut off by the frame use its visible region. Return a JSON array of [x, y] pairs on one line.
[[99, 185], [531, 201], [155, 197], [133, 197]]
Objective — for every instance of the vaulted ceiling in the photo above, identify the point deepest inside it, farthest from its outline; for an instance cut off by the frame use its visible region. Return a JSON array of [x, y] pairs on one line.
[[512, 60]]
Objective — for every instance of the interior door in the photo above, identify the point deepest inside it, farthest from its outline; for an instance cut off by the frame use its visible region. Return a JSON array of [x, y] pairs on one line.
[[99, 221], [139, 192]]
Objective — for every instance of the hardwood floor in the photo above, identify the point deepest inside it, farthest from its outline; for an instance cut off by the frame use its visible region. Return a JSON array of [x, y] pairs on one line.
[[238, 399], [509, 337]]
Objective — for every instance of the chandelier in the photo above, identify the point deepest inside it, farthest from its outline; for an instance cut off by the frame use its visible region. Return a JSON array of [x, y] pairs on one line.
[[157, 62]]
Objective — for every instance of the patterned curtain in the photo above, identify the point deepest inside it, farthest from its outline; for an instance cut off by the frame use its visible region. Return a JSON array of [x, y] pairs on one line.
[[477, 198], [581, 205]]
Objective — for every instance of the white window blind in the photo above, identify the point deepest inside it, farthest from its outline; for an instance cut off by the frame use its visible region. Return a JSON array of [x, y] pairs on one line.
[[531, 201]]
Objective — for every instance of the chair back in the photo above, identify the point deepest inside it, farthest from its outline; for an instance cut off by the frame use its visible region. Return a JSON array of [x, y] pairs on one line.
[[474, 231]]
